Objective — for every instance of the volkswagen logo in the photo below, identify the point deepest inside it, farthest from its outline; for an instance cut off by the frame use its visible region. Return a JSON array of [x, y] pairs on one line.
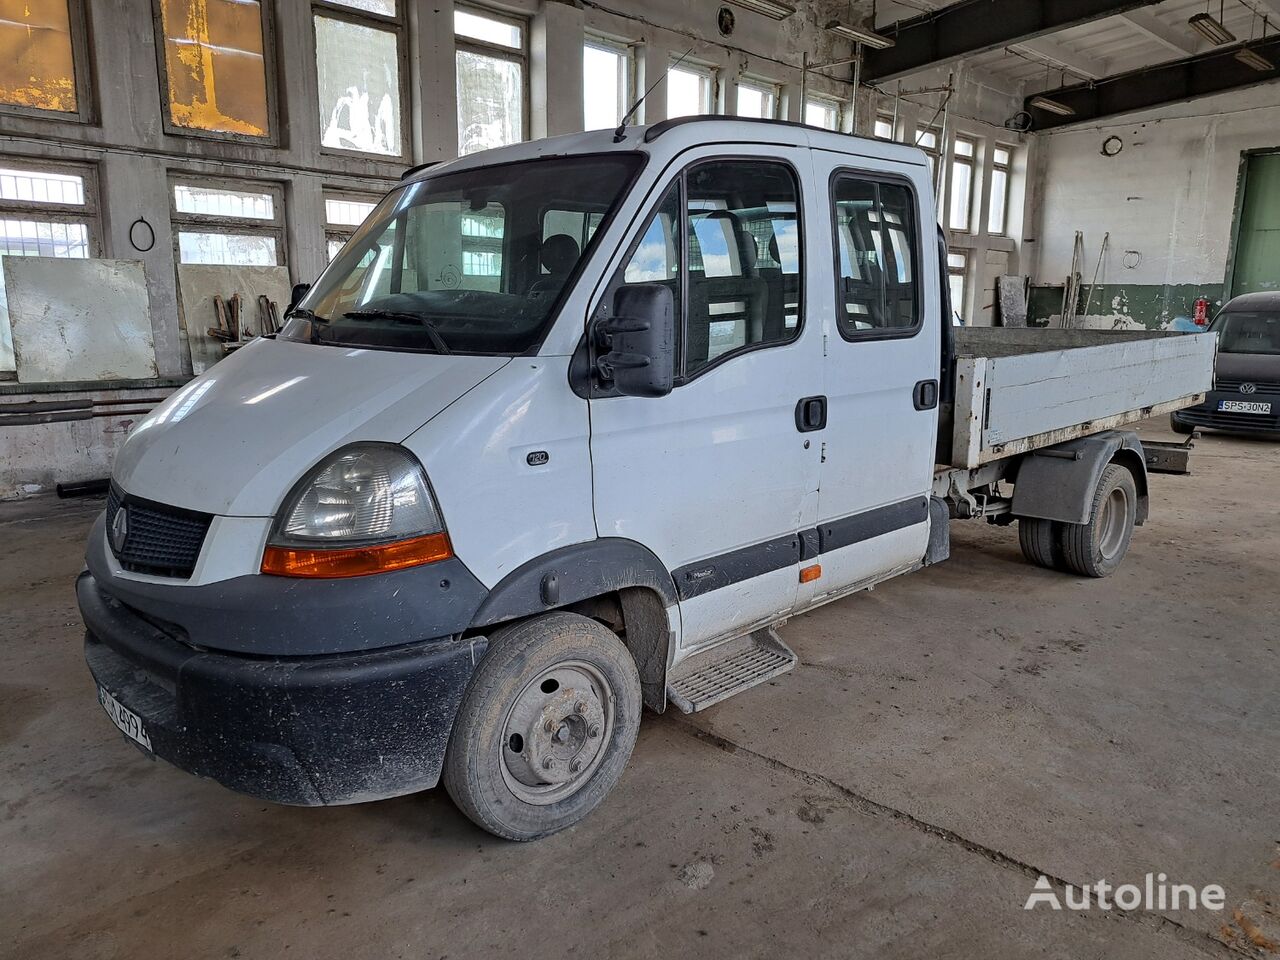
[[1248, 388], [120, 529]]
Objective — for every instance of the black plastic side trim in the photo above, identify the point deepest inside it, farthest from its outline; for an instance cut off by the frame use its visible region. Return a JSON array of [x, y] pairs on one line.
[[695, 579], [809, 545], [580, 571], [873, 523]]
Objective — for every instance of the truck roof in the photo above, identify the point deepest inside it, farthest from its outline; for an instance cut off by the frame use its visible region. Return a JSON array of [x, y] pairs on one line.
[[678, 134]]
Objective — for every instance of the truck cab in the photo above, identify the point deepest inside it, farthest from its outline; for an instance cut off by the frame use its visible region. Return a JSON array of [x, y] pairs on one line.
[[565, 430]]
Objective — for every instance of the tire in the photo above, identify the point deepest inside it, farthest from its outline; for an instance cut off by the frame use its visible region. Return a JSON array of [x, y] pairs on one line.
[[1041, 542], [1096, 548], [1177, 426], [553, 692]]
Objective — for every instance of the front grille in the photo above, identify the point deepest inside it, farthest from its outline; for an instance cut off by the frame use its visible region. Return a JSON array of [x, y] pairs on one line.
[[1234, 421], [160, 540], [1233, 384]]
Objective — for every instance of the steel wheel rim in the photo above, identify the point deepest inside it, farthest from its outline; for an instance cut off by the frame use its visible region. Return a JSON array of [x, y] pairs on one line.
[[555, 733], [1115, 520]]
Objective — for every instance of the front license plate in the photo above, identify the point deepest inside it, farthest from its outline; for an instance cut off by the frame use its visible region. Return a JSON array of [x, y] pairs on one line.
[[124, 718], [1243, 406]]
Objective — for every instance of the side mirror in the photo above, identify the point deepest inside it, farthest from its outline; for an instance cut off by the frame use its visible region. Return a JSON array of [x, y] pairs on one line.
[[299, 291], [635, 348]]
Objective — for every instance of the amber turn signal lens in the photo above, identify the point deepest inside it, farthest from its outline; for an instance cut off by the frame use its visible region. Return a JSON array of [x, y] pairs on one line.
[[810, 574], [355, 561]]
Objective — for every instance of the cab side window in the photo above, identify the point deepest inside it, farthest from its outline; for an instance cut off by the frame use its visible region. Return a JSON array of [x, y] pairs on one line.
[[876, 237], [744, 259]]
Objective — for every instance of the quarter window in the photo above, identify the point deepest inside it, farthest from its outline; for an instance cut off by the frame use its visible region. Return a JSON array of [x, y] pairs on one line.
[[876, 238]]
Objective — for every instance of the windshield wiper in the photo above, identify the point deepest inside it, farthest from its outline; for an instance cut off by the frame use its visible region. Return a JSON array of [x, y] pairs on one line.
[[400, 315]]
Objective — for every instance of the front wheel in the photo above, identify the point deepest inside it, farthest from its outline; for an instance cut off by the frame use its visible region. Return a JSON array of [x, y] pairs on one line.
[[1177, 426], [1095, 548], [545, 728]]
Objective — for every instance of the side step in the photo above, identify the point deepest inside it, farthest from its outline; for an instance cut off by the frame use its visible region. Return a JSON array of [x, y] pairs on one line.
[[729, 668]]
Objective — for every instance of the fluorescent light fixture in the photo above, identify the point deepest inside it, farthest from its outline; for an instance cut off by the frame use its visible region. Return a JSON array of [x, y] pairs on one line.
[[1052, 106], [1211, 28], [868, 38], [770, 8], [1252, 58]]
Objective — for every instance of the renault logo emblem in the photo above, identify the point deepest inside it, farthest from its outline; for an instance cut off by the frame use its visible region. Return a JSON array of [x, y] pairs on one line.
[[120, 529], [1248, 388]]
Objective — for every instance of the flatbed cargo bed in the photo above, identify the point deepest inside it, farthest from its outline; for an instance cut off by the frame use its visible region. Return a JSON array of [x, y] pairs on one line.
[[1023, 389]]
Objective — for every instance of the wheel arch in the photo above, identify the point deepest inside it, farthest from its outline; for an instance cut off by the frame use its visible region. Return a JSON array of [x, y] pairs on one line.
[[1058, 483]]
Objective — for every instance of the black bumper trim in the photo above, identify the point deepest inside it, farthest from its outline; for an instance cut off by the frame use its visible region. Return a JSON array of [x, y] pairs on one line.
[[305, 730]]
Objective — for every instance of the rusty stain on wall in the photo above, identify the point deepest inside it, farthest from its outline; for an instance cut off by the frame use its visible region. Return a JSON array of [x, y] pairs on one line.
[[214, 60], [36, 64]]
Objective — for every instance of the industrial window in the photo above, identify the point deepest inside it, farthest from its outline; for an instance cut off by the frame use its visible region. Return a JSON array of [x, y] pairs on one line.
[[607, 68], [884, 127], [961, 214], [690, 90], [343, 212], [876, 236], [215, 67], [998, 214], [42, 56], [821, 112], [360, 74], [756, 99], [493, 93], [237, 223], [927, 140], [957, 279], [46, 210]]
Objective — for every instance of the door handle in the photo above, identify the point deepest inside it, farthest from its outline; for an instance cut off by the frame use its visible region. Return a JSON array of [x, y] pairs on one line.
[[925, 395], [811, 414]]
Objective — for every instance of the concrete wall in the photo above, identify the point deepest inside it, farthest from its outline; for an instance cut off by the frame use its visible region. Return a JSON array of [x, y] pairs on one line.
[[1168, 199]]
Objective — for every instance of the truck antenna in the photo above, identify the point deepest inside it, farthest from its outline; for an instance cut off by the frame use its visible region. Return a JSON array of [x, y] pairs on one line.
[[620, 134]]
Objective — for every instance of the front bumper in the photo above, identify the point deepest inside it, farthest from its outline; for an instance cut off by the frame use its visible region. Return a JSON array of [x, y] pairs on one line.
[[339, 728], [1207, 415]]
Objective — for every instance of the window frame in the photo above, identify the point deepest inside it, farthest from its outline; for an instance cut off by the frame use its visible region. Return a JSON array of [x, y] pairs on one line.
[[1007, 170], [88, 213], [893, 128], [623, 49], [395, 25], [499, 52], [827, 103], [342, 232], [970, 161], [767, 87], [81, 67], [878, 177], [211, 223], [958, 309], [269, 67], [709, 72]]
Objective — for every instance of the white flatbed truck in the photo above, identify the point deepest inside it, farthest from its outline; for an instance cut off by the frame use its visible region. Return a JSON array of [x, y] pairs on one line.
[[565, 430]]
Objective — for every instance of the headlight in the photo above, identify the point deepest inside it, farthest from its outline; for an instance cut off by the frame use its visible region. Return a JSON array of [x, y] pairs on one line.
[[364, 509]]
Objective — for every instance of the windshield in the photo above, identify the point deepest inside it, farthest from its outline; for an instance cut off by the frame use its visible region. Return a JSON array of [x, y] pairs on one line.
[[1241, 332], [469, 262]]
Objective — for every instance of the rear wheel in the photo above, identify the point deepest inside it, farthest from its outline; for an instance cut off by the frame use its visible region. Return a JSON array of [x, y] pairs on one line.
[[545, 728], [1095, 549], [1041, 542]]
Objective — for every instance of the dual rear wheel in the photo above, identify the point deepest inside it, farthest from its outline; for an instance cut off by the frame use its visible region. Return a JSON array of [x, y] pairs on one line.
[[1094, 548]]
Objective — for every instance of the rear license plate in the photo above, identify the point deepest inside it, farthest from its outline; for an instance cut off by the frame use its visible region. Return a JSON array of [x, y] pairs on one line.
[[124, 718], [1243, 406]]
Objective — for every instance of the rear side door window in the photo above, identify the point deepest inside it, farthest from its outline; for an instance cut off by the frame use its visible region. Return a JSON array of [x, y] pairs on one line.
[[876, 242]]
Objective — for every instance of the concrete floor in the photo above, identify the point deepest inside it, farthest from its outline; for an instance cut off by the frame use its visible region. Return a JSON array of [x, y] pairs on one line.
[[947, 739]]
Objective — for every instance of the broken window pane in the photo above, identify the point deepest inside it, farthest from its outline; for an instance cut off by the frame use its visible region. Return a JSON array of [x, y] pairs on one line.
[[37, 68], [214, 61], [385, 7], [490, 102], [34, 238], [239, 249], [359, 73], [222, 202], [487, 29], [33, 187]]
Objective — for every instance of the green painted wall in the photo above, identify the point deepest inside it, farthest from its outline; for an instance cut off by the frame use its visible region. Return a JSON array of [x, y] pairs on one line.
[[1132, 305]]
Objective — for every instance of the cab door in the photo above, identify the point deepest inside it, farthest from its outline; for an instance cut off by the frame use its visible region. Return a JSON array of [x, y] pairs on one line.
[[882, 321], [717, 478]]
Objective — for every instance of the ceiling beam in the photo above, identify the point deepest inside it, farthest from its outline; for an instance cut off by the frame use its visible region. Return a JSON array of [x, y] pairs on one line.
[[975, 26], [1081, 64], [1178, 40], [1173, 82], [1272, 5]]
